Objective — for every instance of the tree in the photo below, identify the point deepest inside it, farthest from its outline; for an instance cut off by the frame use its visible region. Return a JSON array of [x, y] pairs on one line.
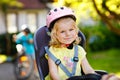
[[4, 6], [112, 17]]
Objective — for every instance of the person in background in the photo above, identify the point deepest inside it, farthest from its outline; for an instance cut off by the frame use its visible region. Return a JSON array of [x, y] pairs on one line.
[[25, 38]]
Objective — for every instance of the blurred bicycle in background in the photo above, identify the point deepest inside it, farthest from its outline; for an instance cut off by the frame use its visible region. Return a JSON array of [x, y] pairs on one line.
[[24, 64]]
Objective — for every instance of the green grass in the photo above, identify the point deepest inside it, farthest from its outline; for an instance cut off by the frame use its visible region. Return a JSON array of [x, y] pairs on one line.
[[108, 60]]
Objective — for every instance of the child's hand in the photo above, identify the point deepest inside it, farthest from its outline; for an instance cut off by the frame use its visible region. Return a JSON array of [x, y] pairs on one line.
[[31, 41], [110, 77]]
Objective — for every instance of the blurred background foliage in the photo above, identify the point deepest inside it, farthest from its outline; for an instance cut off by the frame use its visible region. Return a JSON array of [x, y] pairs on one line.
[[3, 45], [98, 37]]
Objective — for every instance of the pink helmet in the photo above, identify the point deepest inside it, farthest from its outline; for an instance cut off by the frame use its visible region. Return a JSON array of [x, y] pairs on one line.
[[57, 13]]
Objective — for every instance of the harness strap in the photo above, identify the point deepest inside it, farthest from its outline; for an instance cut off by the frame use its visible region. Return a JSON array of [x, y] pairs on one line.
[[58, 62], [75, 59]]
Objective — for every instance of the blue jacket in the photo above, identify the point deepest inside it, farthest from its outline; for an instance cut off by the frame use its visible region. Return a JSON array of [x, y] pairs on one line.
[[24, 40]]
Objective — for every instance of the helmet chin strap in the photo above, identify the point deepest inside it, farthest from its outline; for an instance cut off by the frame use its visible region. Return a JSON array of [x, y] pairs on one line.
[[67, 45]]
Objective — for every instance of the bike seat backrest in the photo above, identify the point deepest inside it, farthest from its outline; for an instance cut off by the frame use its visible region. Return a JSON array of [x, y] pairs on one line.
[[41, 39]]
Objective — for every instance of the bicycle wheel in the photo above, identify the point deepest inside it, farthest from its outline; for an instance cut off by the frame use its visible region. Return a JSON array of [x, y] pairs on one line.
[[24, 67]]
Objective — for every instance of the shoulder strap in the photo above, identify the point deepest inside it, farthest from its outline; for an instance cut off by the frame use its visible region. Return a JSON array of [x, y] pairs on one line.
[[75, 59], [58, 62]]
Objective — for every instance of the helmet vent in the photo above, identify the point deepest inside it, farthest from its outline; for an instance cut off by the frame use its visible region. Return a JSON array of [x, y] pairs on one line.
[[50, 13], [55, 10], [62, 8]]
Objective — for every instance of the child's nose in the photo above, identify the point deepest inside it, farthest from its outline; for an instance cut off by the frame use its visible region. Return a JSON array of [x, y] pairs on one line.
[[67, 33]]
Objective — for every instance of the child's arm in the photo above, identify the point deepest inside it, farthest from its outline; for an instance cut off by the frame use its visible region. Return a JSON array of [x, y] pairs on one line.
[[53, 69], [86, 66]]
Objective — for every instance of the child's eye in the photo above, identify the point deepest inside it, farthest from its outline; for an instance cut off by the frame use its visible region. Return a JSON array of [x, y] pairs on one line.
[[71, 29], [62, 31]]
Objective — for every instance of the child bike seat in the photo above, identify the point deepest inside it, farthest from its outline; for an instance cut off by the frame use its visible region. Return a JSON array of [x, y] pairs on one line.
[[41, 39]]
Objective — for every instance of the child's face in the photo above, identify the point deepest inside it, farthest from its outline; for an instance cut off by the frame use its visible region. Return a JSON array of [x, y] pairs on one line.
[[66, 33], [24, 33]]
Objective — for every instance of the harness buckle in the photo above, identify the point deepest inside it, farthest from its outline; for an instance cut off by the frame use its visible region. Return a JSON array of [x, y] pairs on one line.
[[75, 59], [57, 62]]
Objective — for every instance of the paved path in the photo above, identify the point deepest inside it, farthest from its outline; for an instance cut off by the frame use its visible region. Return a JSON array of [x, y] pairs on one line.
[[7, 71]]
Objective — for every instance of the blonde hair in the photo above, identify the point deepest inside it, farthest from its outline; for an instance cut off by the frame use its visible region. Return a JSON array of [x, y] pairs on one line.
[[54, 41]]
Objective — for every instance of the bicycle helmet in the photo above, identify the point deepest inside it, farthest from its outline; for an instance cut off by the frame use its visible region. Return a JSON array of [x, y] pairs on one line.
[[58, 13]]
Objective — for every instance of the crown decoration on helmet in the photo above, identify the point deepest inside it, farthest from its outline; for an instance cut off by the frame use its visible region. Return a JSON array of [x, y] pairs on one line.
[[58, 13]]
